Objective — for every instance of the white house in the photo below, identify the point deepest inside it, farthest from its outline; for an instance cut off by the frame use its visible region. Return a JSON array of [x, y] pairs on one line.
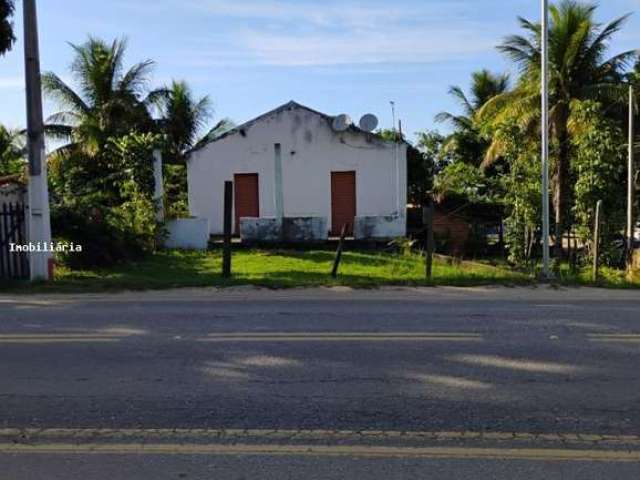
[[296, 177]]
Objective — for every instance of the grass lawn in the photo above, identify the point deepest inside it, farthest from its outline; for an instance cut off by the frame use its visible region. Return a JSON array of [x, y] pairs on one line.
[[274, 269], [288, 268]]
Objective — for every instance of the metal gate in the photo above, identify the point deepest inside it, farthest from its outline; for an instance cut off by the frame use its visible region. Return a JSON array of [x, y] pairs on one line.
[[13, 264]]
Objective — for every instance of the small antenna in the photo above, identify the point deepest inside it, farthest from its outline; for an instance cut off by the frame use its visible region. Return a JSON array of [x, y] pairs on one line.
[[393, 114]]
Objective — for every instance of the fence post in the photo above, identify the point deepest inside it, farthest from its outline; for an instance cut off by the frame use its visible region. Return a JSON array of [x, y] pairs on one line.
[[336, 262], [427, 217], [596, 242], [228, 210]]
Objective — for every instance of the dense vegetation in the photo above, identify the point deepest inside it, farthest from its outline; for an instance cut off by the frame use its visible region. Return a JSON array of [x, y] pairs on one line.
[[101, 176], [11, 152], [494, 146]]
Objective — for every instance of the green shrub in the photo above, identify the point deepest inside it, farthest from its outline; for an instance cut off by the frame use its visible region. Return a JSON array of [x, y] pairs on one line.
[[115, 224]]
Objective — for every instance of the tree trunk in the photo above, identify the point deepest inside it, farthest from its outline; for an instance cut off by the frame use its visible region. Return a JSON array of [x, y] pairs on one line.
[[562, 176]]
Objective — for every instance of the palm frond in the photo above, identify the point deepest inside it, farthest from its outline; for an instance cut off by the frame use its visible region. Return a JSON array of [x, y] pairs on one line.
[[458, 122], [607, 32], [58, 131], [457, 93], [136, 77], [58, 89], [64, 118]]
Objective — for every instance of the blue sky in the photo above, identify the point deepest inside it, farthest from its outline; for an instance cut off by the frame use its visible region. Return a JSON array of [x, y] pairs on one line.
[[337, 56]]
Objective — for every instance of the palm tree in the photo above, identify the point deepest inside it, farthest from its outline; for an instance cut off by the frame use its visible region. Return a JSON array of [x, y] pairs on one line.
[[7, 38], [182, 118], [12, 152], [579, 70], [466, 140], [109, 102]]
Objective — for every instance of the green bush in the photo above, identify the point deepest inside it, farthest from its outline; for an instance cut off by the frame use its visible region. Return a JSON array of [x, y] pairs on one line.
[[115, 224]]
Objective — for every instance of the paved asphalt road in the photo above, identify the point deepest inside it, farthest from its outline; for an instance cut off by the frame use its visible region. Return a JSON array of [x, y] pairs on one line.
[[395, 383]]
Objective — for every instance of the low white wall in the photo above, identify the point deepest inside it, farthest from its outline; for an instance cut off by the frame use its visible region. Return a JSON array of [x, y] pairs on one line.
[[379, 227], [187, 233]]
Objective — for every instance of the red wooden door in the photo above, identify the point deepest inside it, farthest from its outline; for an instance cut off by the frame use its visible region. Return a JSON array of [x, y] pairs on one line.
[[247, 200], [343, 201]]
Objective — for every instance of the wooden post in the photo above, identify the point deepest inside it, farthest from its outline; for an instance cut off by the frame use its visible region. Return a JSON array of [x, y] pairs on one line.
[[596, 242], [336, 262], [427, 218], [228, 210]]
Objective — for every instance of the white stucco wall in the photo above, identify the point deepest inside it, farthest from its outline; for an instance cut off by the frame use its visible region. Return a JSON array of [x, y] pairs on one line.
[[187, 234], [311, 150]]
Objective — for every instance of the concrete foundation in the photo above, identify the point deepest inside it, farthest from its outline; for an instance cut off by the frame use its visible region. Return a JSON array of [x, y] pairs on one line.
[[379, 227], [261, 230], [187, 234], [289, 230], [305, 229]]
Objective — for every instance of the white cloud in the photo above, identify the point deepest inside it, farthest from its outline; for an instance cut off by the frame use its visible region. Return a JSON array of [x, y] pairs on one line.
[[285, 33], [405, 46], [321, 13]]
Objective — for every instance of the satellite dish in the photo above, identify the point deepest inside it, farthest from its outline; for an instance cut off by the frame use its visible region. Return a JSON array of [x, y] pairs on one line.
[[369, 122], [342, 123]]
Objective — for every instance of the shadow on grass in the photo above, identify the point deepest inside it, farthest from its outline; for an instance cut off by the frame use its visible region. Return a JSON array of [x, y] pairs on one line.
[[369, 259], [276, 269]]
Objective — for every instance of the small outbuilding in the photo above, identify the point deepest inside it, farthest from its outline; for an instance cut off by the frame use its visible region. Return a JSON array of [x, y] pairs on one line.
[[301, 175]]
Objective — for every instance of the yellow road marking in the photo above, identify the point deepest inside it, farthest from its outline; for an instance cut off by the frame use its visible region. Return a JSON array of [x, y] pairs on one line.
[[58, 335], [59, 340], [343, 337], [615, 338], [540, 454], [33, 338]]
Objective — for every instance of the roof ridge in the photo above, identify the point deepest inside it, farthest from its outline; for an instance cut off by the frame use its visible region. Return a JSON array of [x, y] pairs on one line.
[[248, 123], [285, 106]]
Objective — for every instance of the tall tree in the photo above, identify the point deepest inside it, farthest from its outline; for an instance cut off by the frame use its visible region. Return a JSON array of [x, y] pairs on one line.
[[110, 101], [466, 142], [579, 70], [108, 104], [183, 118], [7, 37]]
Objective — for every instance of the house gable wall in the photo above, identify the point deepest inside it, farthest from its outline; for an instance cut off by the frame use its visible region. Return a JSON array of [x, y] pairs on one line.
[[311, 150]]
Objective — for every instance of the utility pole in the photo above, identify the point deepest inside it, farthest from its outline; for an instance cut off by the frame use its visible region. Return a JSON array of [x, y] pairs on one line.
[[631, 180], [546, 270], [39, 219], [396, 143]]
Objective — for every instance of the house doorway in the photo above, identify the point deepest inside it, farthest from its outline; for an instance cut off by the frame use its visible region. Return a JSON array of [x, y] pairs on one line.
[[343, 202], [247, 197]]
